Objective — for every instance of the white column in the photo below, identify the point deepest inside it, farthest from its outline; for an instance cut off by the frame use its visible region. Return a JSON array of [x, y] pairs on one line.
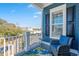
[[27, 41]]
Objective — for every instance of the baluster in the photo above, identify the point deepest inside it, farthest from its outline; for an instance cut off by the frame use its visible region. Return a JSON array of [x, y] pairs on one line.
[[0, 41], [22, 43], [0, 46], [12, 45], [19, 42], [4, 46], [16, 43], [8, 45]]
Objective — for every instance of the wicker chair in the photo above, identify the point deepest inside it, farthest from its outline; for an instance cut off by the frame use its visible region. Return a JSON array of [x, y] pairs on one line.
[[61, 47]]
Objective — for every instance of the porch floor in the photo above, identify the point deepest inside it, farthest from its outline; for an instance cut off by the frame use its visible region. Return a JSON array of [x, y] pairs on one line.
[[42, 52], [36, 52]]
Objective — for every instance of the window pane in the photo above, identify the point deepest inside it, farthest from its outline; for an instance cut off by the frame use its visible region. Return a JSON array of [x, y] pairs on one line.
[[57, 18], [57, 24], [56, 30]]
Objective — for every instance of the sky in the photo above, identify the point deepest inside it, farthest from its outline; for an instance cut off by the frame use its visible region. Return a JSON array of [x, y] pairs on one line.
[[21, 14]]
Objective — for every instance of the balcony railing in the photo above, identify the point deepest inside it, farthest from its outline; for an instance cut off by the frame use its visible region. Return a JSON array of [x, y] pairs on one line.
[[11, 45]]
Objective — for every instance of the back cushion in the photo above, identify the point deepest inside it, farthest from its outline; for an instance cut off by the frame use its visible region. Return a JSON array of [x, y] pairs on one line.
[[64, 40]]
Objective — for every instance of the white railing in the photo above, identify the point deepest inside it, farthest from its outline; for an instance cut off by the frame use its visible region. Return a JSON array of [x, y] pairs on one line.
[[31, 41], [34, 40], [12, 45]]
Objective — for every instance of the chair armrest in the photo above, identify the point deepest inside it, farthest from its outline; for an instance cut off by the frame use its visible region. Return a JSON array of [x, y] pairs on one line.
[[45, 41]]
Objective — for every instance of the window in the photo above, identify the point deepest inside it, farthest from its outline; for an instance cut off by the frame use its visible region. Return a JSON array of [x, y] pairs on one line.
[[57, 25], [58, 22]]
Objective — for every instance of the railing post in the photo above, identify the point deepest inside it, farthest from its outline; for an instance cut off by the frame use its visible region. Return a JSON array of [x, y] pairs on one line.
[[27, 41]]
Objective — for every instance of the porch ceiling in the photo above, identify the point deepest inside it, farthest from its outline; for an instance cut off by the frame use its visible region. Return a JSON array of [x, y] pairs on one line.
[[41, 5]]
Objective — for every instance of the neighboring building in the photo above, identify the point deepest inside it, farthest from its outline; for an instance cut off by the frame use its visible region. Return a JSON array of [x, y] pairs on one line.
[[24, 28], [34, 30]]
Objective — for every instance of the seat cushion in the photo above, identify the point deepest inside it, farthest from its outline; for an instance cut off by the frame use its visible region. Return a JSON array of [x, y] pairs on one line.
[[55, 46], [64, 40]]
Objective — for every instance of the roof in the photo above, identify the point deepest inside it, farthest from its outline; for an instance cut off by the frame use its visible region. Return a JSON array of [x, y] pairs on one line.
[[41, 5]]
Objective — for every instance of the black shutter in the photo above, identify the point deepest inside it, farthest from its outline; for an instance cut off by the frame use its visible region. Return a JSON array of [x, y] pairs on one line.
[[70, 21], [47, 25]]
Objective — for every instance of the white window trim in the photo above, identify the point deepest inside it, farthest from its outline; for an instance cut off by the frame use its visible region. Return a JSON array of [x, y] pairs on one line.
[[56, 10]]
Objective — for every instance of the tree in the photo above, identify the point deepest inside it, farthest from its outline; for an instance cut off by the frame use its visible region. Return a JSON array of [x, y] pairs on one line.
[[9, 28]]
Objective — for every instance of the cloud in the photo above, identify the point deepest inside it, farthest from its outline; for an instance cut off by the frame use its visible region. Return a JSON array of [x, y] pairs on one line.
[[35, 16], [38, 13], [30, 6]]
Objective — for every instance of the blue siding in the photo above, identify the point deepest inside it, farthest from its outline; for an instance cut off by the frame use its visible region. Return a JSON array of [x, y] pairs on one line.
[[75, 16], [46, 11], [77, 27]]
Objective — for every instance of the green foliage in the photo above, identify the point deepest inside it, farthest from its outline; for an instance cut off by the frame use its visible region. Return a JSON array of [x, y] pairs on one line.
[[39, 48], [9, 28]]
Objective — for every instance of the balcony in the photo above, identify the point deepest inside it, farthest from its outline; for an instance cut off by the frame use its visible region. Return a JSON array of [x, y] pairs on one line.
[[26, 44], [21, 45]]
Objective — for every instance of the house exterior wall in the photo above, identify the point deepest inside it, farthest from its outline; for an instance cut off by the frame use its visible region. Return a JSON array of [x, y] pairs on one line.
[[72, 13], [46, 19], [77, 27]]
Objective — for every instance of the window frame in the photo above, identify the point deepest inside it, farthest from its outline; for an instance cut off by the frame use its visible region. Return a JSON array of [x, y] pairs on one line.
[[56, 10]]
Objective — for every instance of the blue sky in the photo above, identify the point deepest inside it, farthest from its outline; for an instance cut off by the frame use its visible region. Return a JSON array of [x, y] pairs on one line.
[[22, 14]]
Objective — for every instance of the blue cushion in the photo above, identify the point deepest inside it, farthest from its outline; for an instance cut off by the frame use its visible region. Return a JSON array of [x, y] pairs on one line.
[[53, 42], [55, 46], [64, 40]]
